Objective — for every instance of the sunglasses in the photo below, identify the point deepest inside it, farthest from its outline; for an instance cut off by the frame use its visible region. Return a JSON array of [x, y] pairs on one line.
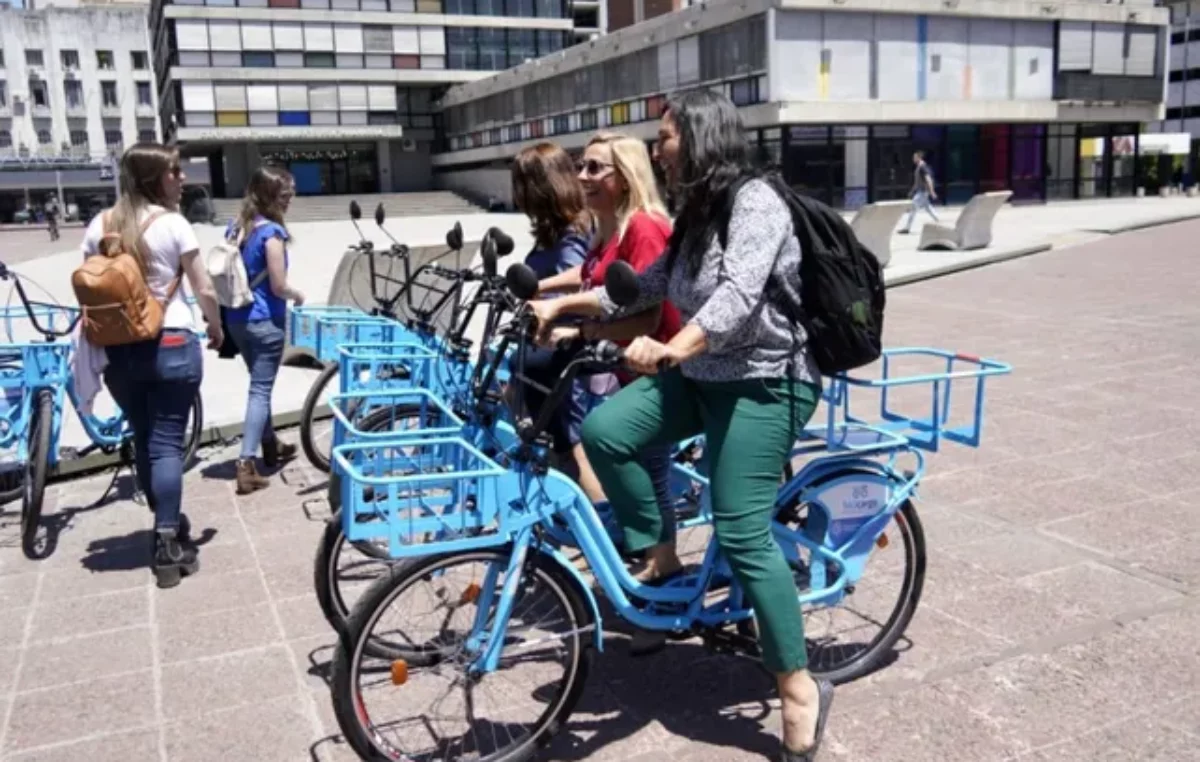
[[176, 170], [593, 168]]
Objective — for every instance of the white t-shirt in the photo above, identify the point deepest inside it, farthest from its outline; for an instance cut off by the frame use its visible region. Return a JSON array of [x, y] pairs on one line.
[[168, 238]]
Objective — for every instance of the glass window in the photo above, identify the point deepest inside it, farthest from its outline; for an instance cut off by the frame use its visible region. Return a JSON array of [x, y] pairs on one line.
[[429, 6], [5, 139], [462, 47], [489, 7], [70, 59], [143, 94], [319, 60], [37, 93], [34, 58], [550, 41], [44, 137], [73, 90], [79, 137], [554, 9], [3, 93], [493, 52], [104, 60], [2, 60], [261, 58], [460, 7], [146, 136], [112, 138], [522, 46], [139, 60], [522, 8]]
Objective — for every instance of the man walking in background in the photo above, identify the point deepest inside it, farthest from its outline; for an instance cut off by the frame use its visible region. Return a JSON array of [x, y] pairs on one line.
[[922, 192], [52, 212]]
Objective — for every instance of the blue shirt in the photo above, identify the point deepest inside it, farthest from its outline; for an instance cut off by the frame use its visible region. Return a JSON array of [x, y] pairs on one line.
[[568, 252], [266, 305]]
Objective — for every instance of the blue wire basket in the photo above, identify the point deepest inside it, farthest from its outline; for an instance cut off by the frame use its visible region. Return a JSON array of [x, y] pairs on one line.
[[24, 368], [423, 496], [363, 367], [391, 415], [914, 407]]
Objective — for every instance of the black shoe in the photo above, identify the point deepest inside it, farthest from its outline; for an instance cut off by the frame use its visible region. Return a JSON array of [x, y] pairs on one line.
[[824, 701], [172, 559]]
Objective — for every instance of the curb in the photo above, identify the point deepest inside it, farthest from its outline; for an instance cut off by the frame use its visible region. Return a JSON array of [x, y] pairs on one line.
[[1145, 224], [212, 435], [971, 264]]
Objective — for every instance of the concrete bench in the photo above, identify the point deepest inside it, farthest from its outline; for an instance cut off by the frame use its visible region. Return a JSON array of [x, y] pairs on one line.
[[874, 224], [973, 229]]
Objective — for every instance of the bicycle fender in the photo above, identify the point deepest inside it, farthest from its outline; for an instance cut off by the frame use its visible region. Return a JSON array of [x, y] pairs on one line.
[[583, 588]]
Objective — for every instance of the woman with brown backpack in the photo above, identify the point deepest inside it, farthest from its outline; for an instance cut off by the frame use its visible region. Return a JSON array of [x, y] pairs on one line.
[[137, 253]]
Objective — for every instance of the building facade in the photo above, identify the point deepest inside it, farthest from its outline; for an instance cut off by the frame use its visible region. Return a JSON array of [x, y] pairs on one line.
[[341, 91], [1180, 129], [75, 87], [1045, 99]]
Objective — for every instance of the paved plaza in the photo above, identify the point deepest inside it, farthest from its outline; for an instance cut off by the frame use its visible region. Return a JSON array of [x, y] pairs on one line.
[[1058, 619]]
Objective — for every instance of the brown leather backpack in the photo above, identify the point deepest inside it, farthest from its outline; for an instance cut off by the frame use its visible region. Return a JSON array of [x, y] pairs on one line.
[[110, 286]]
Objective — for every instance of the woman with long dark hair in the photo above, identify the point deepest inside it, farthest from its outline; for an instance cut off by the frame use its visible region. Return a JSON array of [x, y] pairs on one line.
[[258, 328], [739, 372], [155, 381]]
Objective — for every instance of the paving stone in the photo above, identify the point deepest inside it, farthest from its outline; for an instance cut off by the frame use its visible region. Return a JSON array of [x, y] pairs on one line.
[[79, 616], [1099, 588], [211, 592], [185, 638], [1015, 554], [12, 626], [16, 591], [135, 746], [1145, 739], [1028, 507], [76, 711], [244, 679], [1104, 530], [302, 618], [270, 731], [56, 662]]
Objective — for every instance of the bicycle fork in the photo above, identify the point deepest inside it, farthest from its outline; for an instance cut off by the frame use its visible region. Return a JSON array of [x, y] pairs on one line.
[[488, 642]]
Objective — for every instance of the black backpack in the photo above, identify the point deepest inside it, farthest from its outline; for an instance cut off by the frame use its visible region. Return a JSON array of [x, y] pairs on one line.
[[841, 284]]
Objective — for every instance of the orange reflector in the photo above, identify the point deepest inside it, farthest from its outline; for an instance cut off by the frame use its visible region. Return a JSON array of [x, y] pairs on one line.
[[470, 594], [399, 672], [881, 541]]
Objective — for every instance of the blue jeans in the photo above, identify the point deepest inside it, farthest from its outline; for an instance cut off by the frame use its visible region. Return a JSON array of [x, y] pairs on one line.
[[154, 383], [261, 344], [920, 202]]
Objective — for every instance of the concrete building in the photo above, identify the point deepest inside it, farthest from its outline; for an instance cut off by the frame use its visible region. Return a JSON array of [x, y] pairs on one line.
[[1176, 148], [341, 91], [75, 86], [1045, 98]]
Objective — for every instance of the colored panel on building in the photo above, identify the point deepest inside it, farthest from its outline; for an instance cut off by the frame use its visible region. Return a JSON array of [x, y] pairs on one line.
[[294, 118], [922, 56]]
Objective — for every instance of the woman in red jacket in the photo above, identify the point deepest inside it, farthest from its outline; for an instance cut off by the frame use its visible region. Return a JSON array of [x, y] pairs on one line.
[[631, 224]]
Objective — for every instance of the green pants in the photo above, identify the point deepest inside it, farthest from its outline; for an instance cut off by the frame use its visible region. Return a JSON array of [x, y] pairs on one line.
[[749, 429]]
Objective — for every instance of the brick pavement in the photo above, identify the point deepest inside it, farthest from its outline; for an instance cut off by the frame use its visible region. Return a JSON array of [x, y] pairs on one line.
[[1058, 619]]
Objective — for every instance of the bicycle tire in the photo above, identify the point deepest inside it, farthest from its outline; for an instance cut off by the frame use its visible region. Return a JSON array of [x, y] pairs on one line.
[[378, 596], [36, 470], [193, 441], [319, 460], [913, 535], [333, 539]]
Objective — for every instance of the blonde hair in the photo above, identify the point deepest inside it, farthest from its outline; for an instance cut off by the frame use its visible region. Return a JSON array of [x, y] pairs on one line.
[[632, 161], [142, 170]]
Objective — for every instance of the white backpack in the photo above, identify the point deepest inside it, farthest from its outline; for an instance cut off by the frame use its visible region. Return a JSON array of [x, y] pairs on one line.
[[227, 270]]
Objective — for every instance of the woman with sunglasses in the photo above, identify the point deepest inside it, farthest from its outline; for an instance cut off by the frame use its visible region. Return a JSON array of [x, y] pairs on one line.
[[258, 328], [739, 372], [154, 382], [631, 226]]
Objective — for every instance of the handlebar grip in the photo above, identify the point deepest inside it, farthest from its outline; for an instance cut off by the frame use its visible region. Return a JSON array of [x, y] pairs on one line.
[[607, 351]]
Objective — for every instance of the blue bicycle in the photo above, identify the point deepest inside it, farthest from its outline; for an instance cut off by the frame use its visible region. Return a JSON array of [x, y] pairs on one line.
[[37, 383], [490, 655]]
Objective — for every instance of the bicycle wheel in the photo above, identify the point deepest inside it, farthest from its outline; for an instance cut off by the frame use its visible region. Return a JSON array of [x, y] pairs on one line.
[[434, 672], [36, 470], [841, 658], [337, 579], [316, 440], [192, 441]]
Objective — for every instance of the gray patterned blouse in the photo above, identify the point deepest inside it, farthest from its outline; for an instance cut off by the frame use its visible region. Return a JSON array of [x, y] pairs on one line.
[[748, 335]]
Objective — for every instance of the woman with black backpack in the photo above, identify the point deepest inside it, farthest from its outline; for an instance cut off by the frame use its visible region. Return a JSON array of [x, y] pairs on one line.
[[739, 371]]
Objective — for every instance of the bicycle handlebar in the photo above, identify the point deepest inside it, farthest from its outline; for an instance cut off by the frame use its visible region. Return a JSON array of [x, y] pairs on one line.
[[49, 333]]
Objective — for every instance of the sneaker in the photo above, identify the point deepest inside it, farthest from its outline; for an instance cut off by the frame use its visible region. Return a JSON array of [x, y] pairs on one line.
[[172, 559], [276, 453]]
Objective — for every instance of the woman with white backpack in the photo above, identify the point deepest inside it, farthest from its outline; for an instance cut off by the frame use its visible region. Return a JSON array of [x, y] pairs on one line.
[[256, 325]]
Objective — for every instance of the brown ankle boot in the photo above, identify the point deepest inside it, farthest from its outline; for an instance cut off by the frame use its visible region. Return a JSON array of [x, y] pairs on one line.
[[276, 453], [248, 478]]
